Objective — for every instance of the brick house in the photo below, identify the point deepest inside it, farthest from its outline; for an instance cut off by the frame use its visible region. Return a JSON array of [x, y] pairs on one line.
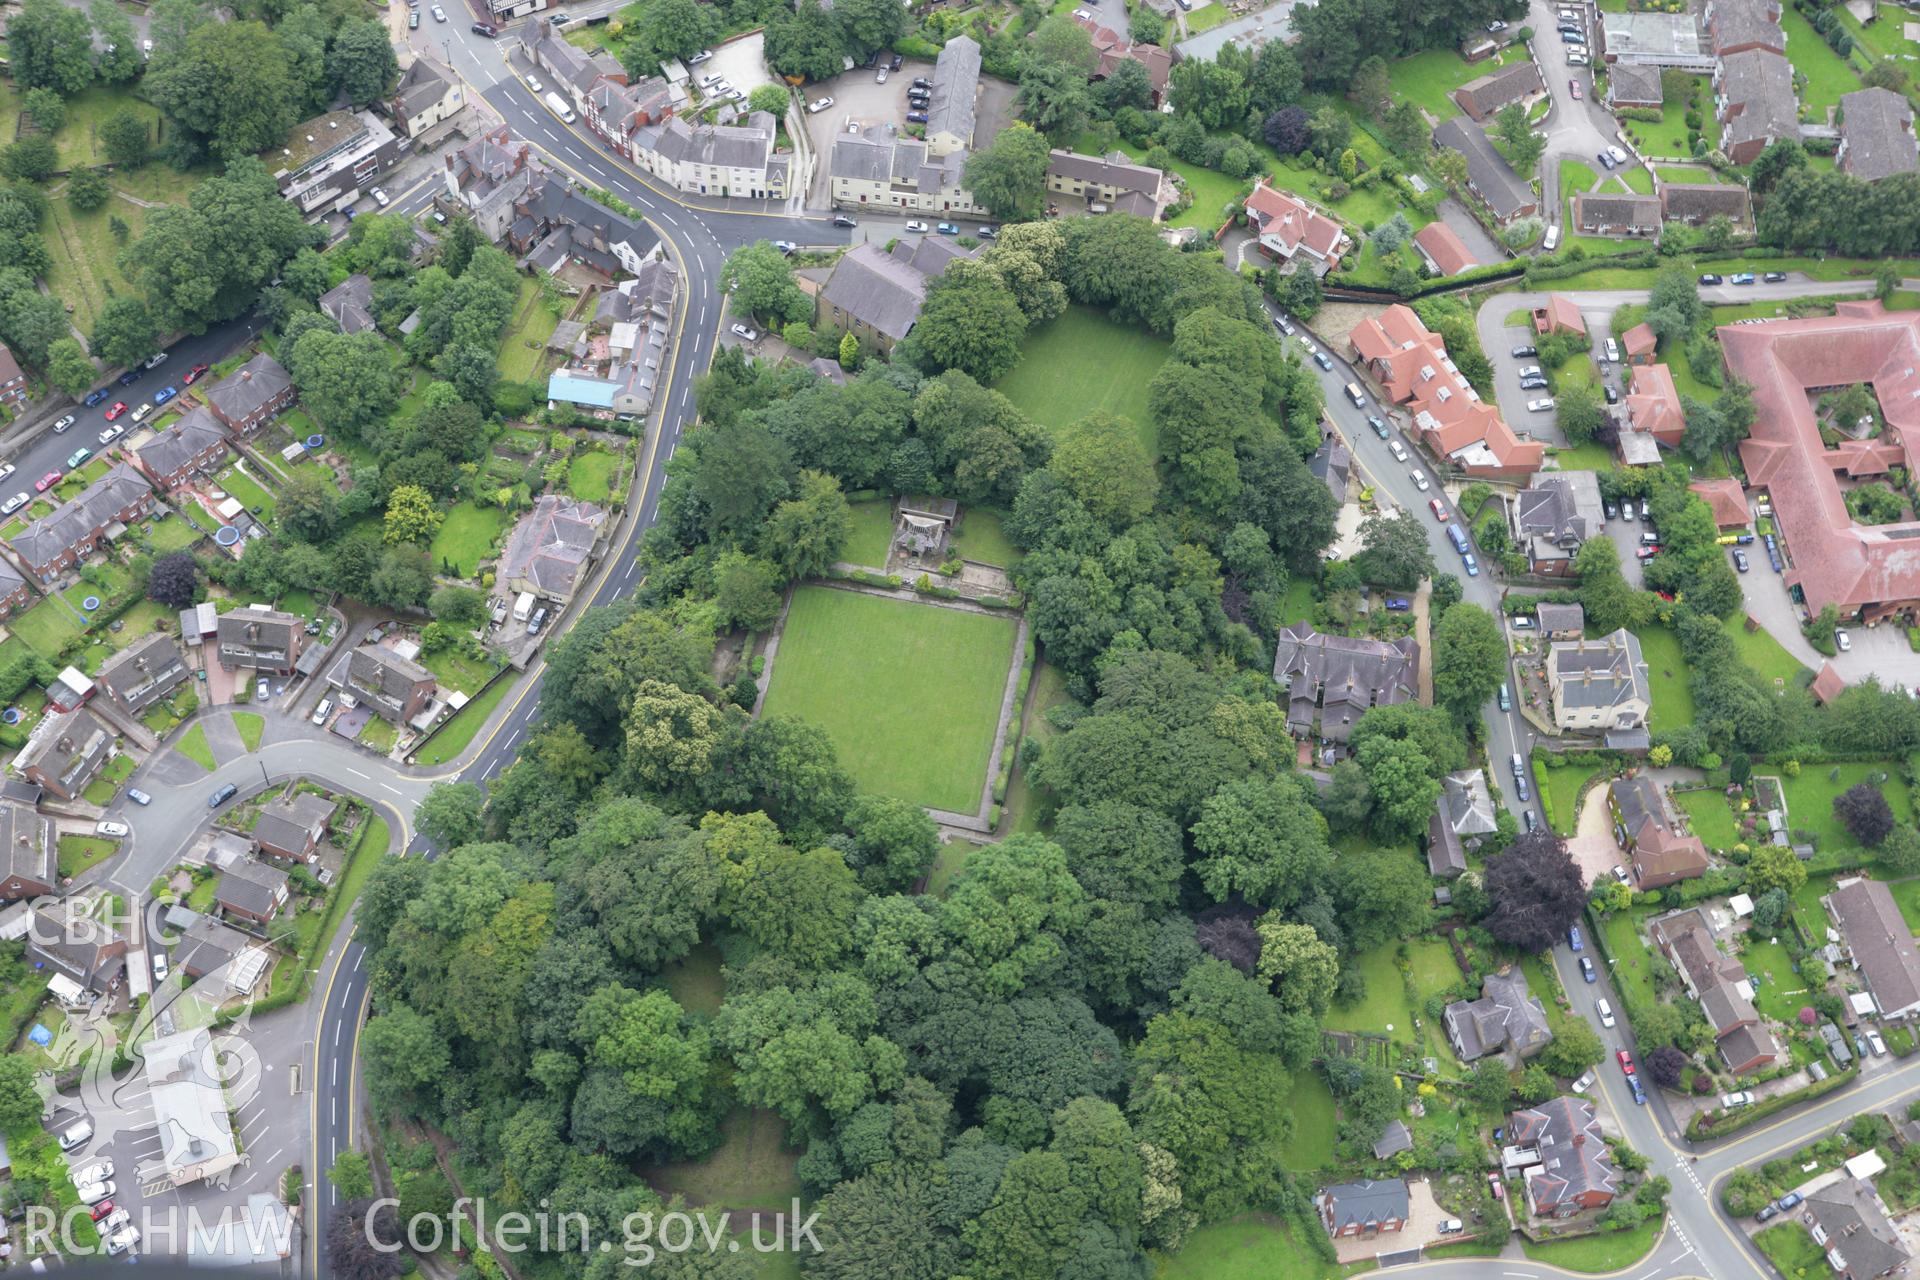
[[143, 673], [64, 752], [1575, 1171], [394, 688], [261, 640], [1370, 1208], [55, 543], [250, 395], [28, 868], [83, 949], [251, 891], [13, 382], [291, 828], [194, 443]]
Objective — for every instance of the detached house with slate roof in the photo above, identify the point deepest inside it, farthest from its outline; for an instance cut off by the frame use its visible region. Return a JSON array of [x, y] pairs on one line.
[[1334, 680], [75, 529], [195, 442], [1661, 853], [876, 295], [1507, 1020], [143, 673], [290, 828], [428, 93], [251, 891], [394, 688], [1881, 945], [549, 550], [1576, 1170], [1599, 686], [349, 304], [1850, 1225], [64, 752], [1371, 1208], [261, 640], [85, 950], [250, 395], [1109, 183], [1462, 817]]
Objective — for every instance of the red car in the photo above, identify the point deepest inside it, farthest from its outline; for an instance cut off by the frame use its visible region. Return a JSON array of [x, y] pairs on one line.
[[47, 481], [1626, 1062], [1439, 510], [1647, 553], [119, 407], [193, 374], [1574, 85], [101, 1210]]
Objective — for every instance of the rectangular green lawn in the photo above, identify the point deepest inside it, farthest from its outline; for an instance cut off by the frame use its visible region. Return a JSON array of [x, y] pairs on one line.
[[872, 534], [1311, 1105], [46, 628], [1082, 363], [981, 537], [1667, 673], [909, 693], [466, 537], [1253, 1246], [1828, 74], [1810, 799], [590, 475], [1710, 817]]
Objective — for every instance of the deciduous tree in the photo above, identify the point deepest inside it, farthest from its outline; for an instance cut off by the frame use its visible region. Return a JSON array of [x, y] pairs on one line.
[[1536, 891], [1009, 175]]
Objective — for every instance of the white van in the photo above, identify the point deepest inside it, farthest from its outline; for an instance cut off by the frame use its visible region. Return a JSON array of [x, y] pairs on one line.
[[1553, 238], [560, 106], [523, 607], [1606, 1013]]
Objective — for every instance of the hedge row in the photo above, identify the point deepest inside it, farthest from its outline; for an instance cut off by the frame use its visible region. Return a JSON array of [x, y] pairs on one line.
[[1727, 1122]]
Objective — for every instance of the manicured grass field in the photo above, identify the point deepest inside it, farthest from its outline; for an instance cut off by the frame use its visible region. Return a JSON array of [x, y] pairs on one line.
[[46, 628], [909, 693], [1828, 74], [872, 533], [1810, 799], [1595, 1254], [1253, 1246], [173, 534], [1206, 19], [590, 475], [1668, 139], [455, 670], [1632, 968], [1310, 1144], [1636, 179], [466, 537], [1386, 1000], [751, 1169], [1711, 818], [1691, 176], [1563, 790], [982, 538], [252, 495], [251, 727], [193, 745], [1084, 362], [1782, 992], [532, 323], [1667, 673]]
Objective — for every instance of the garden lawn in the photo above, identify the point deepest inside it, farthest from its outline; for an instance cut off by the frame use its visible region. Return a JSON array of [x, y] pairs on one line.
[[253, 496], [251, 726], [1710, 817], [1603, 1252], [909, 693], [1297, 604], [981, 537], [1828, 75], [1082, 363], [753, 1168], [532, 323], [379, 735], [77, 853], [173, 534], [456, 733], [1563, 789], [466, 537], [1575, 176], [1253, 1246], [1632, 968], [46, 628], [1636, 178], [1309, 1145], [590, 475], [1668, 139], [1781, 992], [193, 745], [1810, 799], [1212, 192], [1759, 650], [1791, 1249], [456, 671], [1667, 673], [1426, 79], [1689, 175], [872, 533], [1386, 999]]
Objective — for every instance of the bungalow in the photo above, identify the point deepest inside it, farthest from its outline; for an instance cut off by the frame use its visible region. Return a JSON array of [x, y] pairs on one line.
[[1615, 215], [393, 687], [1696, 202], [1634, 84], [143, 673], [193, 443], [55, 543], [64, 752], [1442, 249], [1507, 1020], [1369, 1208], [28, 865], [1289, 231], [257, 639], [251, 891], [1506, 194], [1575, 1170], [80, 948], [1483, 98], [291, 828], [250, 395], [1876, 135], [1562, 621], [1879, 942], [1660, 852], [549, 550]]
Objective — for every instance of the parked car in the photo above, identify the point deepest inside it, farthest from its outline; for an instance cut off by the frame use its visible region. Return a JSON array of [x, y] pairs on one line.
[[1710, 278], [1788, 1201], [138, 796], [63, 423], [988, 233], [1398, 450], [98, 1171], [815, 107], [1613, 512], [1439, 509], [1875, 1043], [786, 247], [704, 55], [1626, 1061], [1542, 405], [1398, 604], [745, 333], [1519, 784], [1612, 394], [165, 394], [95, 397], [1647, 552], [439, 14], [95, 1192], [78, 456], [320, 712], [1844, 640], [1573, 932], [1534, 384], [1742, 277], [123, 1240], [1740, 560], [1473, 571], [119, 407], [1378, 424], [880, 76], [47, 481], [1639, 1091], [915, 224], [1321, 358], [154, 361], [132, 376], [1586, 962], [921, 82], [1532, 371], [488, 30], [1619, 156], [1420, 481], [1584, 1083], [1506, 697], [76, 1135], [1524, 352], [112, 433], [115, 830], [1605, 1010], [916, 117], [1573, 88], [1606, 159], [221, 796], [844, 220], [101, 1210], [142, 412], [1738, 1098], [1767, 1211], [13, 504], [948, 229], [1774, 277], [1499, 1187]]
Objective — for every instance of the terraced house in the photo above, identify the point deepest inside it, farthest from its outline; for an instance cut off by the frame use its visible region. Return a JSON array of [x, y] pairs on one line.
[[878, 169], [143, 673], [248, 397], [1754, 101], [193, 443], [1876, 135], [56, 542], [715, 159]]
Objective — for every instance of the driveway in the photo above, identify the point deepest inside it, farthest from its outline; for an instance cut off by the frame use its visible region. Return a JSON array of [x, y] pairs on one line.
[[858, 100], [1592, 845]]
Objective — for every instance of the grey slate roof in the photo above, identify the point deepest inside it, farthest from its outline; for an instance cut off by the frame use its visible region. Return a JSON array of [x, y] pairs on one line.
[[1563, 508], [144, 672], [379, 673], [1342, 677], [78, 947], [260, 629], [93, 508], [1741, 22], [1363, 1203], [1698, 201], [1505, 191], [251, 887], [1485, 95], [1573, 1152], [1395, 1139], [26, 849], [1634, 84], [1876, 126], [206, 944], [422, 85], [1506, 1016], [956, 77], [350, 304], [551, 544], [1881, 943], [747, 146], [1600, 673], [242, 393], [188, 437], [1761, 83], [1857, 1230], [289, 824], [68, 746], [1611, 212], [1562, 617], [881, 290], [1114, 170], [1638, 799]]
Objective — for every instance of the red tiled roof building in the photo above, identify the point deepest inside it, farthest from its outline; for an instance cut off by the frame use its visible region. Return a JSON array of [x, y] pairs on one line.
[[1411, 362]]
